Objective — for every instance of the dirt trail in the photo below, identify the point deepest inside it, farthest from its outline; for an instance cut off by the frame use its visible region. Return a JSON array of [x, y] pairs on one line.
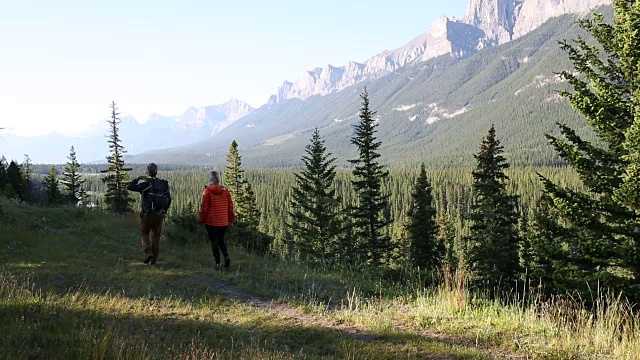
[[291, 312], [284, 309]]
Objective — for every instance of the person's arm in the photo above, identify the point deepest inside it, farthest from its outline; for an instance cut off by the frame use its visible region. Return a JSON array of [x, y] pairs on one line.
[[134, 186], [232, 215], [204, 207]]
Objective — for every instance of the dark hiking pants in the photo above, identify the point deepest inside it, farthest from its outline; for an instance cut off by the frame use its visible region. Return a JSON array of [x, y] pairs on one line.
[[151, 222], [216, 236]]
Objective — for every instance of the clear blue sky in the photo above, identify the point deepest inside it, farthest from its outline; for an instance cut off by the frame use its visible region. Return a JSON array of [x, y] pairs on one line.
[[62, 62]]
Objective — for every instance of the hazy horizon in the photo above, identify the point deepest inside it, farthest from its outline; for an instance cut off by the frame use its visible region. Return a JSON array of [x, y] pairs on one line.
[[65, 62]]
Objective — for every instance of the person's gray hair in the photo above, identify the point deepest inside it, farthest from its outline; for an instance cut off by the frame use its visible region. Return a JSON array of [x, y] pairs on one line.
[[152, 169], [214, 178]]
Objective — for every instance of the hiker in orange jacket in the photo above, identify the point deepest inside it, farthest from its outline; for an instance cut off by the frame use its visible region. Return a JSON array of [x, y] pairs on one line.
[[216, 212]]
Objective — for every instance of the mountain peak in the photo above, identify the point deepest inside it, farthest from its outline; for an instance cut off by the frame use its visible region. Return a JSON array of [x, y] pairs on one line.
[[283, 91], [532, 13], [235, 101], [495, 17], [487, 23]]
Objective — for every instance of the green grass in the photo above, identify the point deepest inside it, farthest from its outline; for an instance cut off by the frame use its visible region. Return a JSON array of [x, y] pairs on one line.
[[72, 285]]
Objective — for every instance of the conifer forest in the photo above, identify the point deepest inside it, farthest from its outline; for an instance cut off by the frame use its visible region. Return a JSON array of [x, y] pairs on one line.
[[568, 228]]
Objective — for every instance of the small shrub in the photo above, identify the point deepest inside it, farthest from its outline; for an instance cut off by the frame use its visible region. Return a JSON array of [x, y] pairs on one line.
[[183, 228], [250, 239]]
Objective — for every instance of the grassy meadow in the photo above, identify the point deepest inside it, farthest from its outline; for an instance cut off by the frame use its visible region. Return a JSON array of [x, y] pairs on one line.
[[73, 286]]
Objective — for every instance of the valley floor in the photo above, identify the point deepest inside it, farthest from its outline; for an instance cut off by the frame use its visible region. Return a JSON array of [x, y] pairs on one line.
[[72, 285]]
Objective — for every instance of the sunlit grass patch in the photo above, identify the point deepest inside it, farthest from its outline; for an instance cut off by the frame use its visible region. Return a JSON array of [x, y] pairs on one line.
[[82, 291]]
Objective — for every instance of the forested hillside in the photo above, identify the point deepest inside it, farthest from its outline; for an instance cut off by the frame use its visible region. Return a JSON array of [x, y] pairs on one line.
[[432, 111]]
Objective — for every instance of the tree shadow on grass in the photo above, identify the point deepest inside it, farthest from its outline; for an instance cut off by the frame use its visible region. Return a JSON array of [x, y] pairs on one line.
[[51, 331], [150, 284], [99, 269]]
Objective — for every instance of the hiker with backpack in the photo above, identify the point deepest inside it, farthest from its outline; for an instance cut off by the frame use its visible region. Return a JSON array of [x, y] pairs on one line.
[[216, 213], [156, 199]]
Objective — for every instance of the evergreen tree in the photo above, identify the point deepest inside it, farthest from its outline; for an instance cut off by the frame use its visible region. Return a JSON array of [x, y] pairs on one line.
[[314, 205], [526, 251], [233, 177], [15, 180], [73, 181], [401, 252], [117, 175], [599, 230], [547, 252], [52, 187], [83, 197], [26, 167], [367, 183], [350, 251], [27, 172], [446, 237], [426, 251], [4, 181], [494, 242], [248, 207], [248, 226]]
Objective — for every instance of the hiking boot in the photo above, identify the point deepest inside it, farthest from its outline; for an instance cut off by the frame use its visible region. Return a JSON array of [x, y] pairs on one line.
[[217, 267], [227, 262], [149, 259]]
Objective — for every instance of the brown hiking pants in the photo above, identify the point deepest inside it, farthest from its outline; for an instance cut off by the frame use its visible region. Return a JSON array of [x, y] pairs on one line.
[[148, 223]]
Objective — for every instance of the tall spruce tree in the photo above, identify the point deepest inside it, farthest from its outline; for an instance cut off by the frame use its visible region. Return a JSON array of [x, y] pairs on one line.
[[426, 250], [247, 206], [547, 251], [52, 187], [117, 197], [599, 230], [15, 180], [401, 252], [314, 205], [369, 220], [248, 225], [447, 237], [350, 252], [72, 180], [526, 251], [4, 182], [493, 246], [233, 177], [27, 172]]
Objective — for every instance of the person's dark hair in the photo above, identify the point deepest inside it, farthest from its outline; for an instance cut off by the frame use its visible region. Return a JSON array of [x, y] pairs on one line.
[[152, 169]]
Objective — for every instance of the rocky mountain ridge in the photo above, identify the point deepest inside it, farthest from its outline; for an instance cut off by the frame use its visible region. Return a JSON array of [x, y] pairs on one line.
[[487, 23]]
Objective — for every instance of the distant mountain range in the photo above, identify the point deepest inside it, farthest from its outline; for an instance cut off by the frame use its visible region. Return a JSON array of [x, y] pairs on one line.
[[157, 132], [433, 110], [488, 23], [435, 97]]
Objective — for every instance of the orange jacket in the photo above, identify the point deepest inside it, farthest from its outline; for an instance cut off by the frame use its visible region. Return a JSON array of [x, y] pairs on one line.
[[217, 207]]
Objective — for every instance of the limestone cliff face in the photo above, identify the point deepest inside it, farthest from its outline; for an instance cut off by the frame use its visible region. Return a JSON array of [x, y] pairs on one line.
[[209, 120], [487, 23], [281, 95], [495, 17], [533, 13]]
